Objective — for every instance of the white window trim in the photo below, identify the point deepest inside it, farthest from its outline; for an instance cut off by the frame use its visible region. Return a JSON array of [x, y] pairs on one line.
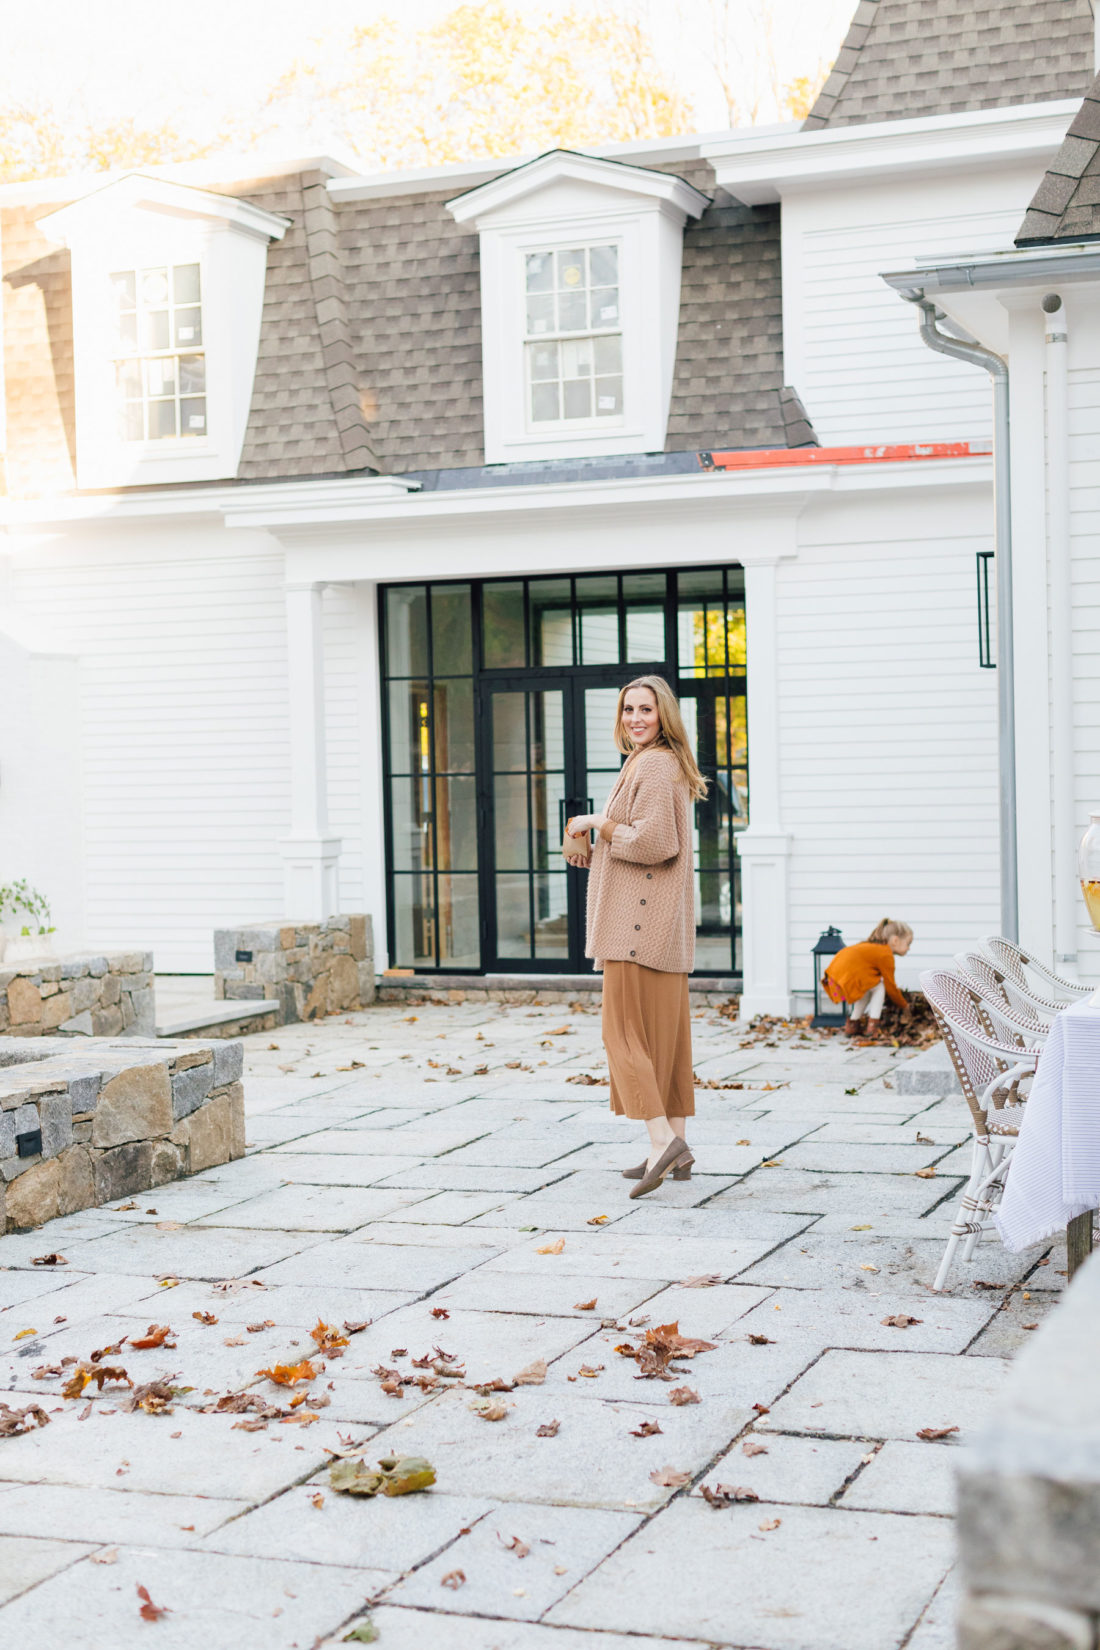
[[556, 203], [139, 223], [593, 424]]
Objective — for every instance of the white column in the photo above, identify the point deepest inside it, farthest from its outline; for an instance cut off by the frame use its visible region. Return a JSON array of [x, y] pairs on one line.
[[764, 848], [371, 711], [310, 853]]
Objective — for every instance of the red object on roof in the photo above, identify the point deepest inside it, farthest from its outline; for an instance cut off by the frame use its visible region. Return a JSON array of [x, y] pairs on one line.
[[771, 458]]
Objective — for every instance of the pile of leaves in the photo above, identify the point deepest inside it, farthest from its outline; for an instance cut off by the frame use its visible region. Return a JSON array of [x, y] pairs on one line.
[[656, 1352], [919, 1031]]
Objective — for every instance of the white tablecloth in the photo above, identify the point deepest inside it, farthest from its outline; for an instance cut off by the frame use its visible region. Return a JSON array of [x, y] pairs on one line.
[[1055, 1172]]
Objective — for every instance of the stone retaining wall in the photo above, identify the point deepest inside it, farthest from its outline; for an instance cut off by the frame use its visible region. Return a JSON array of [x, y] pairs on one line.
[[1029, 1492], [308, 968], [105, 994], [115, 1117]]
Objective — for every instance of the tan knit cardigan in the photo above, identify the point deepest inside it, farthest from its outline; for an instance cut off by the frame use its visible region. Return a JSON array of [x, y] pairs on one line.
[[641, 887]]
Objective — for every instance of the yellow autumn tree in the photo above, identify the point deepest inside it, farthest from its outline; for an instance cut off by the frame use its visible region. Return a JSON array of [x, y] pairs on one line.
[[38, 142], [485, 79]]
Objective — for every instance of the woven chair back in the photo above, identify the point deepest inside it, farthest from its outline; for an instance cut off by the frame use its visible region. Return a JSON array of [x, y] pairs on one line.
[[1014, 1014]]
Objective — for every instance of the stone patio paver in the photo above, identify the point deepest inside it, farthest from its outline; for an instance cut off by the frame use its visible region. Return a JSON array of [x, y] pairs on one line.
[[391, 1191]]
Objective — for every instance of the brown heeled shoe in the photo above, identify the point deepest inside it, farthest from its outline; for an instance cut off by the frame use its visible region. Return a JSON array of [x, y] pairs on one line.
[[675, 1156], [637, 1172]]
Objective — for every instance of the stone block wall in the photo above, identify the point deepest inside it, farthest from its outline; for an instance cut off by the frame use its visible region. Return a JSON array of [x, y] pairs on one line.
[[116, 1118], [1029, 1492], [308, 968], [106, 995]]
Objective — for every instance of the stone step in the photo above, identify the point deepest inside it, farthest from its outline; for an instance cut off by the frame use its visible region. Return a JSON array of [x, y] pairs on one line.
[[929, 1072], [232, 1019]]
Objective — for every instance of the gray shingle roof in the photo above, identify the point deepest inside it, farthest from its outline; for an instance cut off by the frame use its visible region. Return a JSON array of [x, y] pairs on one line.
[[1066, 205], [904, 58], [370, 340]]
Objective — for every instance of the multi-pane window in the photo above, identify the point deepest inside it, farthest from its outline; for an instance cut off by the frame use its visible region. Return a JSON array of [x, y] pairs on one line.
[[574, 347], [160, 367]]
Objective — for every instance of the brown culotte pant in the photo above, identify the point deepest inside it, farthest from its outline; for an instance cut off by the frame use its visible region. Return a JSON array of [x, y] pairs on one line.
[[647, 1035]]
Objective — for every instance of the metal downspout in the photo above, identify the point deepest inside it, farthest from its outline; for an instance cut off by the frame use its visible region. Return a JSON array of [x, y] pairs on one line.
[[978, 356], [1060, 574]]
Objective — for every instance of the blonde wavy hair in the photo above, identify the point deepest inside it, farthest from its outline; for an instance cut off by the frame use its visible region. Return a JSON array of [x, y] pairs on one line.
[[889, 929], [672, 735]]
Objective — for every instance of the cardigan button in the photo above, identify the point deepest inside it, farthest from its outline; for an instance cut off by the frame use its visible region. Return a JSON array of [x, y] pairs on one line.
[[649, 876], [643, 902], [637, 927], [632, 953]]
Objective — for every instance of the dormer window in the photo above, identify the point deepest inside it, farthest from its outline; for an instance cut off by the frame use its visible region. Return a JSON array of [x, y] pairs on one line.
[[168, 290], [574, 348], [580, 297], [160, 369]]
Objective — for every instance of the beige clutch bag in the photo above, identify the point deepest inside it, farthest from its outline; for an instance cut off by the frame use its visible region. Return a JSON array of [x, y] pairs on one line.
[[576, 845]]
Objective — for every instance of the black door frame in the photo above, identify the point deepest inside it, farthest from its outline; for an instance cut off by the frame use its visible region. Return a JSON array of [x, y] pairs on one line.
[[572, 680]]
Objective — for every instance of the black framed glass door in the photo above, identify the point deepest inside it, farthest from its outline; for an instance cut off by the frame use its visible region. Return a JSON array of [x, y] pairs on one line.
[[499, 703]]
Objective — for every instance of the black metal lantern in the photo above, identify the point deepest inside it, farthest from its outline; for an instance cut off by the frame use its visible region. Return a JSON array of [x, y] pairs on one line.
[[827, 1014]]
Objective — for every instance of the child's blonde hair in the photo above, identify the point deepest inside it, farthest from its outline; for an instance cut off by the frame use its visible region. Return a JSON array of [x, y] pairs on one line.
[[889, 929], [673, 734]]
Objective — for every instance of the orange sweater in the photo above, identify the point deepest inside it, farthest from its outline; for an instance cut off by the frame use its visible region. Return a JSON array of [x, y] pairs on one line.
[[859, 968]]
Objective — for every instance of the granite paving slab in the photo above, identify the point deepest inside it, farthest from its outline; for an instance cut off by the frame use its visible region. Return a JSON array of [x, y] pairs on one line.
[[698, 1574], [216, 1601], [26, 1560], [610, 1254], [408, 1629], [316, 1208], [191, 1252], [592, 1462], [801, 1471], [845, 1260], [854, 1318], [905, 1477], [381, 1533], [563, 1545], [448, 1208], [71, 1513], [547, 1294], [367, 1265], [889, 1395]]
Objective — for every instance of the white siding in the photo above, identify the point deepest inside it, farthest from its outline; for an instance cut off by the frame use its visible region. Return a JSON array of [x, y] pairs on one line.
[[183, 720], [888, 735], [1084, 448], [851, 344]]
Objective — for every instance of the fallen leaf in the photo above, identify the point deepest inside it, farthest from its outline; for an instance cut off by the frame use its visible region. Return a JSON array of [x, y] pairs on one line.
[[1029, 1326], [236, 1340], [760, 1340], [533, 1375], [926, 1174], [258, 1328], [864, 1228], [13, 1421], [547, 1249], [173, 1283], [204, 1317], [23, 1333], [752, 1446], [771, 1163], [901, 1320], [743, 1142], [84, 1375], [109, 1555], [364, 1632], [590, 1371], [51, 1259], [598, 1220], [761, 1409], [681, 1395], [585, 1306], [155, 1335], [931, 1434], [317, 1500], [454, 1579], [923, 1140], [865, 1266], [548, 1429], [155, 1397], [774, 1523], [647, 1429], [440, 1312], [490, 1409], [724, 1495], [290, 1374], [330, 1343], [167, 1225], [394, 1475], [515, 1545], [668, 1478], [150, 1611], [706, 1280], [120, 1208]]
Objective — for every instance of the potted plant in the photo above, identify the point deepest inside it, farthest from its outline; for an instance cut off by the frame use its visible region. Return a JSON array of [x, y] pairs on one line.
[[31, 911]]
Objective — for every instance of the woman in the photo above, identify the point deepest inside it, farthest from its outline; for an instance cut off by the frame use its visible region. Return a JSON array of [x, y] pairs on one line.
[[641, 923]]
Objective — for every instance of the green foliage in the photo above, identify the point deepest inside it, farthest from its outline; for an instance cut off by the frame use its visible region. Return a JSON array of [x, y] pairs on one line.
[[20, 896]]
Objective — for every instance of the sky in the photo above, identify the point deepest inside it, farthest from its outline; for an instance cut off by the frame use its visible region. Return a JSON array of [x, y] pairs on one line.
[[151, 61]]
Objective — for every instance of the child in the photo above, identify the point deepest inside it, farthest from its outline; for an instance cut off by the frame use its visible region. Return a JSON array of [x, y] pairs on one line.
[[863, 976]]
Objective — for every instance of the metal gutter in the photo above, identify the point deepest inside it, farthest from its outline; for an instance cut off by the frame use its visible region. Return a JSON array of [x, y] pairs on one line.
[[1077, 262], [977, 355]]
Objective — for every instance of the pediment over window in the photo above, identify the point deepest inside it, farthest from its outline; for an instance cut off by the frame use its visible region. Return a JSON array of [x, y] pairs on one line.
[[168, 288], [580, 299]]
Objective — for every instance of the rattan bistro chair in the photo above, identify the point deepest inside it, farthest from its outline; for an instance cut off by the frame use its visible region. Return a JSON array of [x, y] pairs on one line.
[[990, 1069], [1012, 961], [1028, 1023]]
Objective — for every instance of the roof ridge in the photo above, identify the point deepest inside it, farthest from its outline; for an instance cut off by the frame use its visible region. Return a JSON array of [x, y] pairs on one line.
[[325, 265], [846, 59]]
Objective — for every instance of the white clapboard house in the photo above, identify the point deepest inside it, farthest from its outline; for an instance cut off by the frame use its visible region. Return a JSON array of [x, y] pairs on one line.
[[337, 507]]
